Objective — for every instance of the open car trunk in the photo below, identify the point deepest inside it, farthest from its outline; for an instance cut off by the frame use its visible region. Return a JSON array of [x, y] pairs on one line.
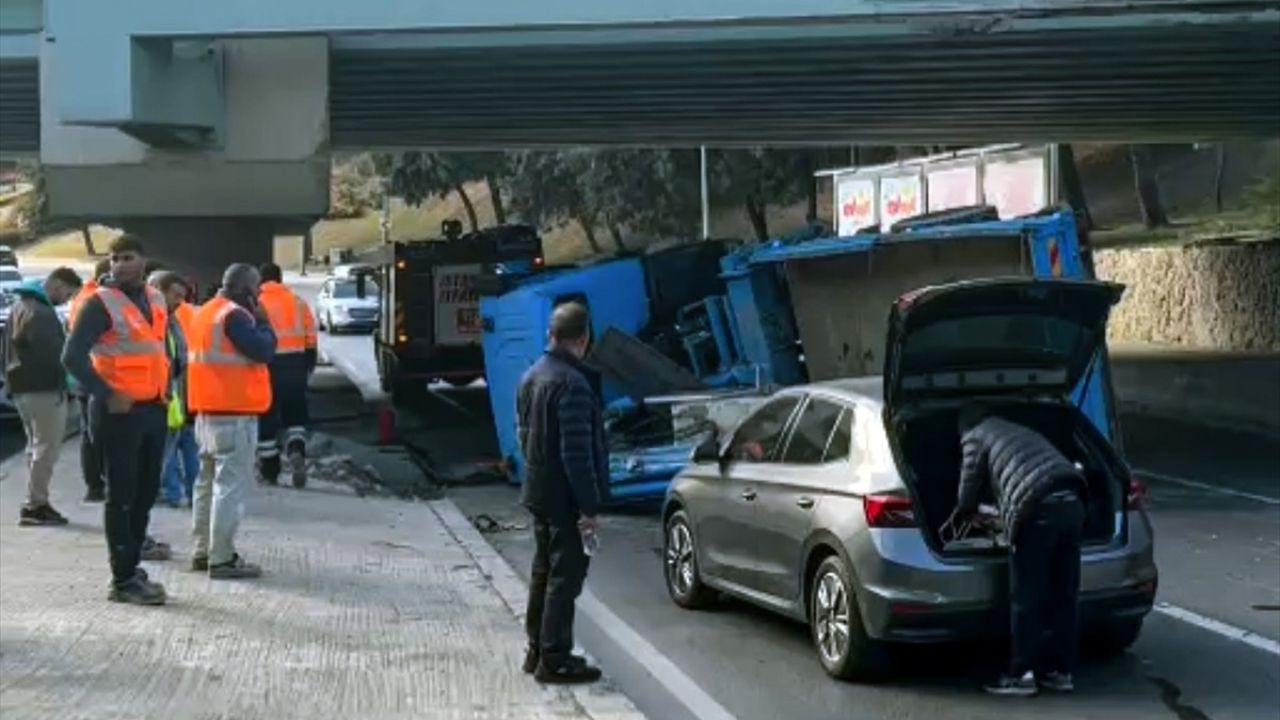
[[929, 460]]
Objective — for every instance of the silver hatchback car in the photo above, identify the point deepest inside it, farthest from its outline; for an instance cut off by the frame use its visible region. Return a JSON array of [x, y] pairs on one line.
[[827, 503]]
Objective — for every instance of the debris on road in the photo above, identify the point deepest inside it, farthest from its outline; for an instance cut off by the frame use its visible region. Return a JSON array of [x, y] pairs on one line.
[[486, 523]]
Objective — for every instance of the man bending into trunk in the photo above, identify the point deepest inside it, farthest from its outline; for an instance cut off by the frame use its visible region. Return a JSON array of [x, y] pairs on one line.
[[1040, 495]]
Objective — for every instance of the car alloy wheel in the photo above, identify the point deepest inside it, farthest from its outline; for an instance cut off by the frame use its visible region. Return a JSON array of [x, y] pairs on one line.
[[680, 558], [831, 617], [835, 622], [680, 565]]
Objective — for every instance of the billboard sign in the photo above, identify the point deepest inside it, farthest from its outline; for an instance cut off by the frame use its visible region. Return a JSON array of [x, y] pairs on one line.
[[901, 197], [855, 204], [953, 187]]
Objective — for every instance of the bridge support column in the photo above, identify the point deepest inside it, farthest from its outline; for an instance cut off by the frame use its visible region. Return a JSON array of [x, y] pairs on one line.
[[202, 248]]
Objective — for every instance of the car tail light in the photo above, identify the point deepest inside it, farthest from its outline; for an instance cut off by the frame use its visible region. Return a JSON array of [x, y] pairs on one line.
[[889, 511], [1136, 496]]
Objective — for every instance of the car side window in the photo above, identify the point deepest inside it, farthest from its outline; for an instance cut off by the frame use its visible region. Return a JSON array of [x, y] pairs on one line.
[[758, 438], [839, 444], [812, 433]]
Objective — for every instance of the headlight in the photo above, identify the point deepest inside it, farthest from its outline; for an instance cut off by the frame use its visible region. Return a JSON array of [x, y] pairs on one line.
[[340, 310]]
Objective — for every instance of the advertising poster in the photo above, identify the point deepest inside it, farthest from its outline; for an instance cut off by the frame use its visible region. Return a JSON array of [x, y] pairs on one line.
[[855, 204], [1015, 187], [954, 187], [457, 305], [900, 198]]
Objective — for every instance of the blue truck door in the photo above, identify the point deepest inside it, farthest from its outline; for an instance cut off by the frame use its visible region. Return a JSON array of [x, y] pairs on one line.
[[514, 336], [1055, 253]]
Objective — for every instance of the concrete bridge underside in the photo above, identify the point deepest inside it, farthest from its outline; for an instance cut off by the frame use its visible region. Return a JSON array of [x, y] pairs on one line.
[[168, 115]]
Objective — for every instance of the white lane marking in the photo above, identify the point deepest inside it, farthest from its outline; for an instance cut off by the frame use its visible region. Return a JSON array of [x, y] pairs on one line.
[[1206, 486], [680, 685], [514, 592], [1231, 632]]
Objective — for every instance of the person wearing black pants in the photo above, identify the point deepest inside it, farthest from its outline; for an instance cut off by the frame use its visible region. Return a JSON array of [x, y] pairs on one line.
[[1044, 582], [90, 456], [562, 440], [1040, 496], [116, 352], [133, 445]]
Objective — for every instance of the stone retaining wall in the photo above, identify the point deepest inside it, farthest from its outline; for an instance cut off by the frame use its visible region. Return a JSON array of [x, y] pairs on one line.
[[1212, 297]]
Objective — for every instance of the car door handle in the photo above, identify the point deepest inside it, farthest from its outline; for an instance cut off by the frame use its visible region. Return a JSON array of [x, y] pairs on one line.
[[748, 494], [805, 502]]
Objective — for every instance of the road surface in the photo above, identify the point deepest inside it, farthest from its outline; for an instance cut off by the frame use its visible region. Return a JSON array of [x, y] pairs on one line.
[[1212, 651]]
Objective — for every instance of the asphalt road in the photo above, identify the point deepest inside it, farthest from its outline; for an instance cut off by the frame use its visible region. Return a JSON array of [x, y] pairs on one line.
[[1215, 503], [1218, 549]]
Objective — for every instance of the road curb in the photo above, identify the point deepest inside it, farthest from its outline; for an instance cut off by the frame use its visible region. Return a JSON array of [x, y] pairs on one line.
[[599, 702]]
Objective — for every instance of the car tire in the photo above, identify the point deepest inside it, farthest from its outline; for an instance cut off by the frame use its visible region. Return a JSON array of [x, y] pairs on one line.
[[680, 564], [833, 612], [1113, 639]]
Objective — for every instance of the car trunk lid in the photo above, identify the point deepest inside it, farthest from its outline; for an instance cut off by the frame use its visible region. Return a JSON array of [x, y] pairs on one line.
[[994, 337]]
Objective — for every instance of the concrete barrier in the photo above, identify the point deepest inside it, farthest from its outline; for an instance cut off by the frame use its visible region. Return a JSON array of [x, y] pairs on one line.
[[1237, 391]]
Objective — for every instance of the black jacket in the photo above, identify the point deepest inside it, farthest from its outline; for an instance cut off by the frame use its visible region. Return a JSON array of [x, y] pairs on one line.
[[561, 434], [32, 361], [1017, 465]]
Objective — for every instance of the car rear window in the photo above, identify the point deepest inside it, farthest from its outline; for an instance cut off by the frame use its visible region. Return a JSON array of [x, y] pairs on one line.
[[1012, 337]]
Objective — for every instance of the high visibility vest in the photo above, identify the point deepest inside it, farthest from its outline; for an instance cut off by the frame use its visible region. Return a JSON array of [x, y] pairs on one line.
[[184, 313], [73, 306], [130, 356], [219, 378], [291, 318], [177, 416]]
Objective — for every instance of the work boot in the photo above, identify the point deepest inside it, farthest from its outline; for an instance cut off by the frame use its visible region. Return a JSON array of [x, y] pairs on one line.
[[237, 569], [95, 495], [136, 592], [571, 671], [155, 551], [1058, 682], [269, 470], [298, 467], [40, 515], [145, 579]]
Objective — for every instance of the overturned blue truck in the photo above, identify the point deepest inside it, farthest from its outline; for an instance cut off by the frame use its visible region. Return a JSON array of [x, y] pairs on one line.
[[693, 337]]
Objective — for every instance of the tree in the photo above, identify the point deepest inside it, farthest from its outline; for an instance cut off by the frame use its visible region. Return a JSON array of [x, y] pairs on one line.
[[648, 191], [419, 175], [759, 177], [1144, 177], [547, 190]]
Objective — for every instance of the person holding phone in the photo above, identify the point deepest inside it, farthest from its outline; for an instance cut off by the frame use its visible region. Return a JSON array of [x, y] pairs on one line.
[[228, 387], [116, 352]]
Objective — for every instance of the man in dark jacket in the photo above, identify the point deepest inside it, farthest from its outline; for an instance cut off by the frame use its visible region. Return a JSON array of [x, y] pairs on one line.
[[38, 384], [131, 433], [562, 440], [1040, 495]]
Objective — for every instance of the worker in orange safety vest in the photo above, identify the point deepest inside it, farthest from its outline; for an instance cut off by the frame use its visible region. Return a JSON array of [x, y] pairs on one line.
[[116, 352], [228, 387], [295, 359]]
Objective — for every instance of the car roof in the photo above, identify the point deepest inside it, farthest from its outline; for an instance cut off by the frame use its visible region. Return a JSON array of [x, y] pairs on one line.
[[863, 390]]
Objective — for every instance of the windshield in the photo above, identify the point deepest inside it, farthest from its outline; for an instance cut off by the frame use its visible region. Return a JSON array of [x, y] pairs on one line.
[[347, 290]]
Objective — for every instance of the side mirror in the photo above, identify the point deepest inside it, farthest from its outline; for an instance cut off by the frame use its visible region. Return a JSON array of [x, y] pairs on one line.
[[707, 451]]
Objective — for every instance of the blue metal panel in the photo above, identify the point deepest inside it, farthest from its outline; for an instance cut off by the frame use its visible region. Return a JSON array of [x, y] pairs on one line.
[[516, 331], [764, 323]]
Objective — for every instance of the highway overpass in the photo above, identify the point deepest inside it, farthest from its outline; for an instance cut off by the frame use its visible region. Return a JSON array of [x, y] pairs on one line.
[[214, 121]]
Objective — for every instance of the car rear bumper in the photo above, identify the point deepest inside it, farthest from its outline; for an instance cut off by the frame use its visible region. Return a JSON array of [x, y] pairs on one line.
[[915, 623]]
